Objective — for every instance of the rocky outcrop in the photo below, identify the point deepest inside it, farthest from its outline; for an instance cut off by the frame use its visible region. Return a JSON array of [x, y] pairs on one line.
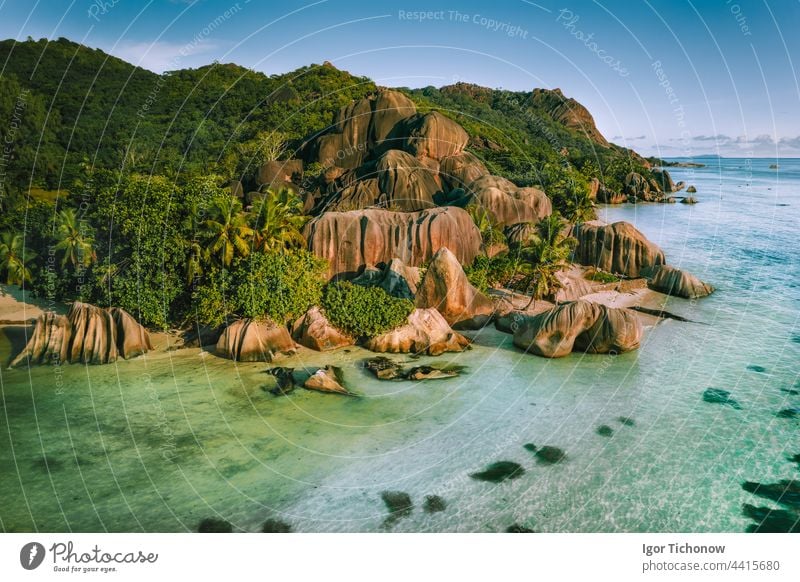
[[94, 338], [425, 331], [507, 203], [86, 335], [353, 240], [132, 338], [691, 190], [49, 343], [445, 287], [616, 248], [637, 186], [356, 196], [566, 111], [579, 326], [360, 126], [404, 182], [676, 282], [246, 340], [328, 379], [607, 196], [314, 331], [460, 170], [689, 200], [664, 181], [277, 172], [397, 279], [573, 286], [433, 135]]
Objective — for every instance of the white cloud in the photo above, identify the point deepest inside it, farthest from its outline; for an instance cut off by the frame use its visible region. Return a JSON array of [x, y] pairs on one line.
[[160, 56]]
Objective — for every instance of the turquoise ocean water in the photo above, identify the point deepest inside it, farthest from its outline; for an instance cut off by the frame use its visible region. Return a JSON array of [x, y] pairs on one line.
[[163, 441]]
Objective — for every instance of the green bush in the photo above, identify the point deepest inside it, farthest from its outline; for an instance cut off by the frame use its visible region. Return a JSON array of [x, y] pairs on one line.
[[280, 285], [602, 277], [485, 273], [364, 311]]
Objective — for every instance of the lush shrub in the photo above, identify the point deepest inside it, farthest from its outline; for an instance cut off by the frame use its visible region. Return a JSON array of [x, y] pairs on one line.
[[211, 300], [364, 311], [602, 277], [485, 272], [280, 285]]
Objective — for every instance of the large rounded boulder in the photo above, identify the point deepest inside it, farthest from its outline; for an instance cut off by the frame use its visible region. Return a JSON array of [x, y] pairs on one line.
[[314, 331], [676, 282], [460, 170], [351, 241], [579, 326], [434, 135], [425, 331], [246, 340], [405, 182], [507, 203], [49, 343], [94, 337], [445, 287], [616, 248], [132, 338]]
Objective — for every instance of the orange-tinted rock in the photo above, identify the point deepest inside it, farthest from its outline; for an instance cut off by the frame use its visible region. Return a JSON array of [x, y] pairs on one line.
[[49, 343], [676, 282], [353, 240], [616, 248], [277, 172], [94, 337], [132, 338], [445, 287], [314, 331], [246, 340], [579, 326], [434, 135], [509, 204], [460, 170], [405, 182], [425, 331]]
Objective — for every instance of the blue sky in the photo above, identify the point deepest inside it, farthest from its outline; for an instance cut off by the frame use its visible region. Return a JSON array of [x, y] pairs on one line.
[[664, 77]]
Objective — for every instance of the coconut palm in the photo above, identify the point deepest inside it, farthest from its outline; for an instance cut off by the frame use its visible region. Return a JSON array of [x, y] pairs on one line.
[[279, 220], [14, 258], [228, 231], [74, 240], [546, 253]]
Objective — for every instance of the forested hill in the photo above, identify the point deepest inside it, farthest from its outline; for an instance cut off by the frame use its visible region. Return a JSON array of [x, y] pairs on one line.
[[81, 106]]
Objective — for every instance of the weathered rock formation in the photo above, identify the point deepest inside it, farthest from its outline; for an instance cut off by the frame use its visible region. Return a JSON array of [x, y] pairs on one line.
[[425, 331], [676, 282], [87, 335], [460, 170], [445, 287], [616, 248], [353, 240], [397, 279], [327, 379], [314, 331], [568, 112], [579, 326], [434, 136], [664, 181], [507, 203], [246, 340], [132, 338], [404, 182], [277, 172]]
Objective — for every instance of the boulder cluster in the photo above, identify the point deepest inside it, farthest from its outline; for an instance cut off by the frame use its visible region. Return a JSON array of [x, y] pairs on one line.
[[86, 335]]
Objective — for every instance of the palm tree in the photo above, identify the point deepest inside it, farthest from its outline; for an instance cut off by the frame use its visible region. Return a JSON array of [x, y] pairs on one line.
[[546, 253], [74, 240], [228, 231], [279, 220], [14, 258]]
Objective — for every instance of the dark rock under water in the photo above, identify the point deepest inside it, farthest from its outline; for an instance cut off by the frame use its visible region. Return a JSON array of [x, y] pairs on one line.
[[517, 528], [627, 421], [276, 526], [499, 472], [548, 455], [756, 368], [399, 505], [719, 396], [214, 525], [786, 492], [771, 520], [605, 430], [434, 504]]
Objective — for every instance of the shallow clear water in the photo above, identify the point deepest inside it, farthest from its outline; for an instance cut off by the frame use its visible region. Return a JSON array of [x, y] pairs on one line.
[[160, 442]]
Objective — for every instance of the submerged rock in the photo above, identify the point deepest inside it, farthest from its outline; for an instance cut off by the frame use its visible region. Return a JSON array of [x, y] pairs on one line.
[[214, 525], [788, 413], [676, 282], [434, 504], [276, 526], [384, 368], [719, 396], [446, 288], [605, 431], [285, 380], [579, 326], [327, 379], [499, 472], [399, 505], [430, 373], [548, 455], [756, 368], [627, 421], [785, 492], [517, 528], [771, 520], [425, 331], [246, 340]]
